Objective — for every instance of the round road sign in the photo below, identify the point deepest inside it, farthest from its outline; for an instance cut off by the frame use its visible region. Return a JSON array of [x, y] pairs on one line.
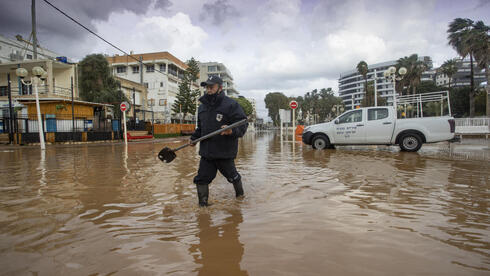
[[293, 104], [124, 106]]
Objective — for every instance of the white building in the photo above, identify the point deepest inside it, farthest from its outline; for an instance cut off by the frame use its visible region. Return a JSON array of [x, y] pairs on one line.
[[254, 106], [161, 74], [21, 50], [207, 69], [351, 83], [442, 80]]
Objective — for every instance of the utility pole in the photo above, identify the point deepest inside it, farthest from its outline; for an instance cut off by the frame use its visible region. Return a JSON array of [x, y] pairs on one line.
[[72, 113], [11, 111], [134, 107], [34, 36], [375, 88]]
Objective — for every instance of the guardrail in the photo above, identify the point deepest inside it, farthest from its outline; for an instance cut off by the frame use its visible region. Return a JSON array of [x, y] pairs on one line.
[[472, 126]]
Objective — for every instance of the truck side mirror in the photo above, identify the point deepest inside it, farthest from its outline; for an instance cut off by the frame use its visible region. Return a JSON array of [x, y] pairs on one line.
[[336, 122]]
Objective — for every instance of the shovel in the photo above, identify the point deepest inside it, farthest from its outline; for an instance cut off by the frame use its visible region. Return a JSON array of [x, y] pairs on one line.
[[167, 155]]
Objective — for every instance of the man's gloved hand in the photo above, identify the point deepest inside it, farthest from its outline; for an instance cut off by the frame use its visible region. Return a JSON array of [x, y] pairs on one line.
[[192, 144], [226, 132]]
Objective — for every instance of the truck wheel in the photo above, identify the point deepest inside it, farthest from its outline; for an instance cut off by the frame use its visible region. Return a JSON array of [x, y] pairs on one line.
[[320, 142], [410, 142]]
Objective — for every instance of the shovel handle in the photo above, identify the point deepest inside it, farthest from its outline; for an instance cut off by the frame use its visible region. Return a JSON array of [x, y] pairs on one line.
[[214, 133]]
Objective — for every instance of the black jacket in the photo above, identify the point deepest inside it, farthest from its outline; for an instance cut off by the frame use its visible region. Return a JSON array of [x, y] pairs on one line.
[[211, 116]]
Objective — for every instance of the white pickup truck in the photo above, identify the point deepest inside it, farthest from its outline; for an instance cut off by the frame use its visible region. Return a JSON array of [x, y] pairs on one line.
[[379, 126]]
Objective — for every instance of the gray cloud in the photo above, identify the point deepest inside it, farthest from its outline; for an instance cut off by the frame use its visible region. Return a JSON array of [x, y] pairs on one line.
[[218, 12], [55, 30]]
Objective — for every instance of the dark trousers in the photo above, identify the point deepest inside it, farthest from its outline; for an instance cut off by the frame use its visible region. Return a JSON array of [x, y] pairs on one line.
[[208, 168]]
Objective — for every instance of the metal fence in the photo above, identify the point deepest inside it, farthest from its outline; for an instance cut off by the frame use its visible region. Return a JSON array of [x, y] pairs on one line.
[[60, 128], [473, 125], [52, 123]]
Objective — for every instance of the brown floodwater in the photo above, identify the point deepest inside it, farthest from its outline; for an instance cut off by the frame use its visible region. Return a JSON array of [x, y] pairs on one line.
[[104, 209]]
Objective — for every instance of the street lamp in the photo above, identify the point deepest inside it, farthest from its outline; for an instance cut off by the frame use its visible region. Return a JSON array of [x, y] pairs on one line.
[[38, 75], [336, 108], [390, 74]]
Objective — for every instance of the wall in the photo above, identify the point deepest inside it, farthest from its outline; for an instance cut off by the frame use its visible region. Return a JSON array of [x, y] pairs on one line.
[[173, 128], [50, 108]]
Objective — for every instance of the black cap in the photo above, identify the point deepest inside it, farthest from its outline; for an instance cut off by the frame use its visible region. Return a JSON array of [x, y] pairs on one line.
[[212, 80]]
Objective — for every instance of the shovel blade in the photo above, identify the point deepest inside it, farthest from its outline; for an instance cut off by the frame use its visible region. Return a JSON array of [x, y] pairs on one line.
[[166, 155]]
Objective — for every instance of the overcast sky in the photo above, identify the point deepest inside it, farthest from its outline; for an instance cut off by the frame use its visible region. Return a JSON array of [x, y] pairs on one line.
[[290, 46]]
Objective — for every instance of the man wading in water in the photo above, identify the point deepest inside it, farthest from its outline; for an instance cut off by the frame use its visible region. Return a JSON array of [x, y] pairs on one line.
[[219, 152]]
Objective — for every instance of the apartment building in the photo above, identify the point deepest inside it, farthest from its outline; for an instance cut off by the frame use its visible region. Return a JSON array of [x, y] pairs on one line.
[[351, 83], [57, 84], [207, 69], [463, 76], [160, 73], [21, 50]]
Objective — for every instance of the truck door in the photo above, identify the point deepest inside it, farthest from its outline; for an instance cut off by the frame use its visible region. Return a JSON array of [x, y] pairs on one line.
[[379, 125], [349, 128]]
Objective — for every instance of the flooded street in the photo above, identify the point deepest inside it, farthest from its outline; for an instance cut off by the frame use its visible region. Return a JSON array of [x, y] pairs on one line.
[[104, 209]]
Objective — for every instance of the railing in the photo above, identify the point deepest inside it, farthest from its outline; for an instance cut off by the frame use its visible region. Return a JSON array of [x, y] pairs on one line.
[[43, 90], [434, 103], [472, 125], [29, 124], [62, 91]]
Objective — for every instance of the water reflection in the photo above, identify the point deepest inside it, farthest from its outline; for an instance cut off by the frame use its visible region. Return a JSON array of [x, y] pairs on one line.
[[219, 250], [113, 209]]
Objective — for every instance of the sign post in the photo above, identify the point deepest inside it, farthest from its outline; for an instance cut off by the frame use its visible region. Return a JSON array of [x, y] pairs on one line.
[[294, 105], [124, 108]]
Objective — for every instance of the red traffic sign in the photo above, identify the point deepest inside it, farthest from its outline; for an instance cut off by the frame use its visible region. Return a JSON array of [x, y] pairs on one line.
[[124, 106], [293, 104]]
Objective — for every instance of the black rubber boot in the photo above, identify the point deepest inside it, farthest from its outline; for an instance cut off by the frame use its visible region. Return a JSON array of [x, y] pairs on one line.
[[203, 194], [238, 188]]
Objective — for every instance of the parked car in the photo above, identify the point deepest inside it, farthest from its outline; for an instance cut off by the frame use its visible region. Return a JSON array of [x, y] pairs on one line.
[[379, 126]]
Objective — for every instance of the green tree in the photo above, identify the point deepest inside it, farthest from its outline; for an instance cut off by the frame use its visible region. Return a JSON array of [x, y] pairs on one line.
[[368, 100], [187, 97], [459, 98], [482, 55], [428, 86], [192, 71], [246, 105], [318, 103], [415, 68], [465, 36], [449, 68], [362, 69], [273, 102], [97, 84]]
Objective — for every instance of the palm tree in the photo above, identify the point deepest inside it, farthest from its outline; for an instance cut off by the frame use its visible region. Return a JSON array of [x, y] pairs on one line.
[[415, 68], [482, 54], [449, 68], [464, 37], [362, 69]]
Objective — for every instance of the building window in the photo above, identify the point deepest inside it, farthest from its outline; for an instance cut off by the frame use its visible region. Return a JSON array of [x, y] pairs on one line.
[[172, 69], [4, 91], [150, 68], [163, 102], [163, 67], [181, 74], [121, 69], [161, 84], [136, 69], [145, 84], [28, 56], [212, 68]]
